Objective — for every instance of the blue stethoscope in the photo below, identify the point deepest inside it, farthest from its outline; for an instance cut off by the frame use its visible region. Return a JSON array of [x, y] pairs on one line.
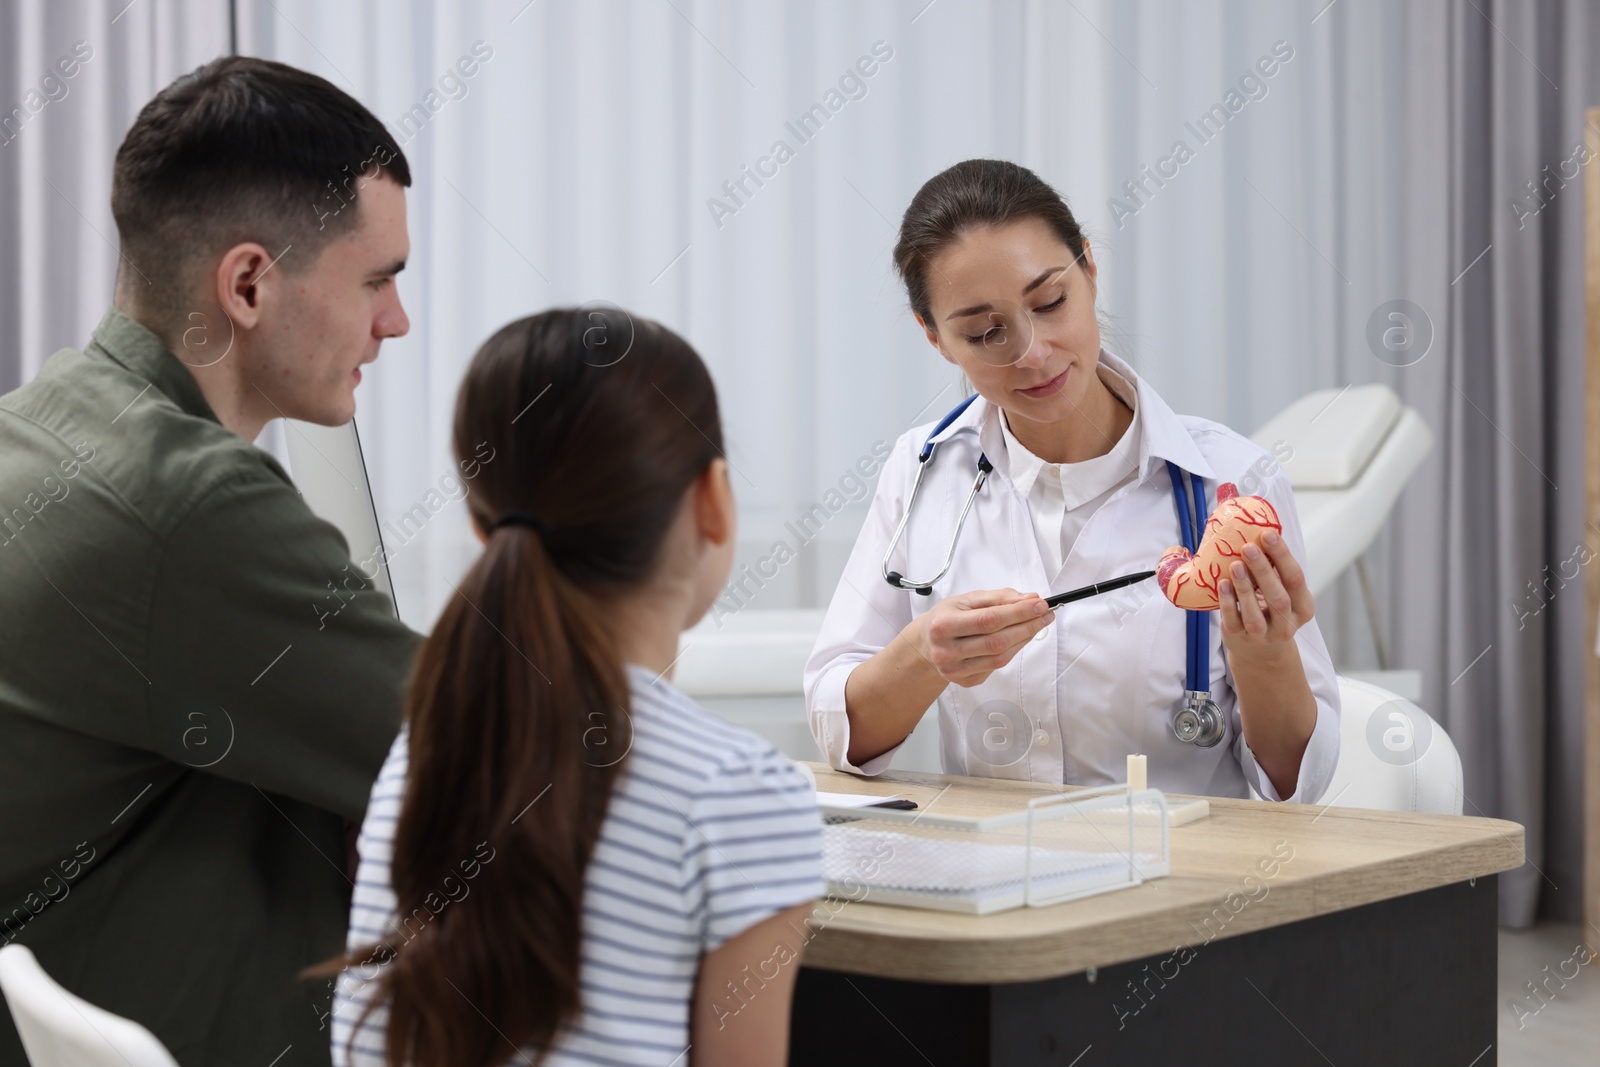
[[1199, 721]]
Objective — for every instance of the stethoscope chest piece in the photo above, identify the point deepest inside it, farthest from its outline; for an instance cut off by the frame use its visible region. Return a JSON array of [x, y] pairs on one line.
[[1199, 721]]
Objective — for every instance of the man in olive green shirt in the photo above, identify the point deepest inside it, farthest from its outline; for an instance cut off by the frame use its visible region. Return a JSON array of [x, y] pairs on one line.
[[184, 729]]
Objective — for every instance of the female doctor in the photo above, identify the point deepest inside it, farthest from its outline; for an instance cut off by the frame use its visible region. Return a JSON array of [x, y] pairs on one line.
[[1065, 470]]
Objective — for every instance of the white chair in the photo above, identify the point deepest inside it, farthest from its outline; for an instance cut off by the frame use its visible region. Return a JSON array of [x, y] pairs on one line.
[[1392, 755], [746, 667], [59, 1029], [1351, 451], [755, 652]]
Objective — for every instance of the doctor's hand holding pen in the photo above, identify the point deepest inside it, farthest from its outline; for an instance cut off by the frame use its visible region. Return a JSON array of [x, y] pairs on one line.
[[1261, 605], [961, 640]]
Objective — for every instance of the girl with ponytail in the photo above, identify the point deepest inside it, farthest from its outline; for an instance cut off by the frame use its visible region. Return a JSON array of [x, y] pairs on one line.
[[564, 859]]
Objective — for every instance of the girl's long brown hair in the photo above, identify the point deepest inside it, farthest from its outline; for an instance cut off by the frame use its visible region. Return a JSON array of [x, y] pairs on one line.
[[596, 425]]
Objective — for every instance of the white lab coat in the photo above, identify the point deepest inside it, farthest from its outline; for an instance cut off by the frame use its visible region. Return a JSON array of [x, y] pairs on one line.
[[1103, 679]]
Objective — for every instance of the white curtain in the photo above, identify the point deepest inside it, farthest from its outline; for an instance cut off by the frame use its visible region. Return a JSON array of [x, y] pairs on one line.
[[58, 134], [586, 158]]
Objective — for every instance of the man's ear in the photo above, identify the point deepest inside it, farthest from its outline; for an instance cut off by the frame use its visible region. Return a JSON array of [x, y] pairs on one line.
[[713, 503], [245, 281]]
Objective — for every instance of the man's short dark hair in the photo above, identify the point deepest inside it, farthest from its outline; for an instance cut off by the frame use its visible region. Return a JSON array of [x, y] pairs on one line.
[[242, 149]]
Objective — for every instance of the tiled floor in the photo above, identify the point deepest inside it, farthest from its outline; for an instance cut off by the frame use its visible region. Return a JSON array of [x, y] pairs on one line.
[[1562, 1025]]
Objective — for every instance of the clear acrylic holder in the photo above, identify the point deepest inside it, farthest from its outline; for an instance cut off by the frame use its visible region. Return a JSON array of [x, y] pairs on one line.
[[1061, 847]]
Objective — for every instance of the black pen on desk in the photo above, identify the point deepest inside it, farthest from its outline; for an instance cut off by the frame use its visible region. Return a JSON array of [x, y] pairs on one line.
[[1099, 587], [897, 805]]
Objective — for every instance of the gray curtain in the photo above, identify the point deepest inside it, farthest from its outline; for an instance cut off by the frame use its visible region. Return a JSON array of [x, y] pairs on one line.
[[1492, 95]]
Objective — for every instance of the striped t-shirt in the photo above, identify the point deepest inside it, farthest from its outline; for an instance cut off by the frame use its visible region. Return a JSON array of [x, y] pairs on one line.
[[709, 831]]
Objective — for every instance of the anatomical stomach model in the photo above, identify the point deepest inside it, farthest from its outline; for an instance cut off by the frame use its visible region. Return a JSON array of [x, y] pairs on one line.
[[1190, 582]]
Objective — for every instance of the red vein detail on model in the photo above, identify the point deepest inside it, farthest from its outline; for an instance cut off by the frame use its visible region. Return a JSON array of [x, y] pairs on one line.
[[1190, 582]]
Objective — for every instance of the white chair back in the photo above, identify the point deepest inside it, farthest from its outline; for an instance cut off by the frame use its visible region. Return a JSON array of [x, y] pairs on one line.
[[59, 1029], [1347, 469], [1392, 755]]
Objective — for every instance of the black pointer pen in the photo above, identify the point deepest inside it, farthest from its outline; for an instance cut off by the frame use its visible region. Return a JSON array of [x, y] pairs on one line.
[[1099, 587]]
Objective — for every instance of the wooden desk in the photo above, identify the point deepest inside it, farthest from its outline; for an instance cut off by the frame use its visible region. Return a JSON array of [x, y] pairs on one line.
[[1371, 941]]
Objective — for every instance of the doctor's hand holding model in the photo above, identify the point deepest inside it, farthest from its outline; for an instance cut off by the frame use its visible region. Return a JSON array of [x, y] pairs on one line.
[[1065, 470]]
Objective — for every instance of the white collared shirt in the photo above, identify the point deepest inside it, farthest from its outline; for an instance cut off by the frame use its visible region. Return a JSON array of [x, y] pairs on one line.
[[1105, 677], [1062, 496]]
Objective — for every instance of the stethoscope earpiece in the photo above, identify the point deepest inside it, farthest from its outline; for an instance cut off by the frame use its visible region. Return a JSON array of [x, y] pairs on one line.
[[895, 578]]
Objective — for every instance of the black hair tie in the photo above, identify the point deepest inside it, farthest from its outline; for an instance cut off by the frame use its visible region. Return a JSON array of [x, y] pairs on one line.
[[521, 518]]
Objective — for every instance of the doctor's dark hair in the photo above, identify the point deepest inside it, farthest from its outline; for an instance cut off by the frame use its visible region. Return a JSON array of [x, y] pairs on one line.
[[976, 192], [241, 149], [593, 425]]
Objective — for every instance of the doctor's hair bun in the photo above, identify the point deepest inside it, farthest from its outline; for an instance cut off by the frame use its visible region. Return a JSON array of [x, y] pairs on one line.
[[976, 192]]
